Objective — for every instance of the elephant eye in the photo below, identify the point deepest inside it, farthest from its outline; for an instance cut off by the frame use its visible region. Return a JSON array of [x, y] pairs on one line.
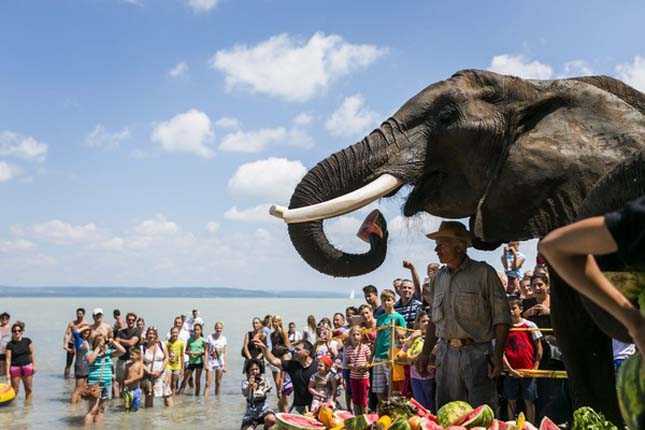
[[448, 114]]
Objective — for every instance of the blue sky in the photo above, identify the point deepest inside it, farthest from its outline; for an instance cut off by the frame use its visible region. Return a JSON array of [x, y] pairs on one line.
[[142, 141]]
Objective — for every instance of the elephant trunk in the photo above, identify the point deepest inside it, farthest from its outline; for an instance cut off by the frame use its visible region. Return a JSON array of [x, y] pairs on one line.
[[341, 173]]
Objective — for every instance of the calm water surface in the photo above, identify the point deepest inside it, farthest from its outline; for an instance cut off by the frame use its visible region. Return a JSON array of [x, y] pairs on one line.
[[46, 320]]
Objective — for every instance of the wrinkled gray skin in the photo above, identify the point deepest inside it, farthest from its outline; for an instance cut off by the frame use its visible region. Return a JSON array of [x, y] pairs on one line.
[[517, 157]]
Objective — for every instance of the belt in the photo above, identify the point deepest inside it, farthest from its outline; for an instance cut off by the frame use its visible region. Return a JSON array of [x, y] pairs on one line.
[[459, 342]]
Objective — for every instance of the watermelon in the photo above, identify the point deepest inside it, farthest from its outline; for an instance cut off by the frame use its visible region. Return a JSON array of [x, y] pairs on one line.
[[400, 424], [359, 422], [297, 422], [512, 425], [427, 424], [631, 391], [450, 413], [481, 416], [456, 428], [547, 424], [421, 411], [499, 425], [343, 415]]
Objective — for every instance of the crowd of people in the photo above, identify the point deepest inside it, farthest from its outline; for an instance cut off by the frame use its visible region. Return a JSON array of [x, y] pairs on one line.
[[466, 332]]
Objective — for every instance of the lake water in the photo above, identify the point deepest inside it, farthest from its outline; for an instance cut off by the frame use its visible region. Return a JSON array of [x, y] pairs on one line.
[[46, 319]]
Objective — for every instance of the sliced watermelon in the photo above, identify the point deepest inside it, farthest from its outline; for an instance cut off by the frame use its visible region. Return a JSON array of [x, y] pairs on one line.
[[372, 418], [427, 424], [298, 422], [547, 424], [481, 416], [421, 411], [343, 415], [500, 425], [512, 425]]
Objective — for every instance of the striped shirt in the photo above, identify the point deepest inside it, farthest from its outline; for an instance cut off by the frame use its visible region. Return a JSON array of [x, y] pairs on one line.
[[358, 356], [101, 368]]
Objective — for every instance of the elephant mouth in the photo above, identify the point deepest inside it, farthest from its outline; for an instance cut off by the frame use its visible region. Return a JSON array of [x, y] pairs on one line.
[[423, 193]]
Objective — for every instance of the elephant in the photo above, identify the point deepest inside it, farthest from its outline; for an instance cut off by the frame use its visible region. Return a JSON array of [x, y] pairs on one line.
[[518, 158]]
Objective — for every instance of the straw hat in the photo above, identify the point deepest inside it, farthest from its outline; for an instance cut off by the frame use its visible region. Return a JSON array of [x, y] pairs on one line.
[[452, 230]]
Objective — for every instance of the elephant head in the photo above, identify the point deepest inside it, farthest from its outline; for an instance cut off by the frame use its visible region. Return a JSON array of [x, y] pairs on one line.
[[515, 156]]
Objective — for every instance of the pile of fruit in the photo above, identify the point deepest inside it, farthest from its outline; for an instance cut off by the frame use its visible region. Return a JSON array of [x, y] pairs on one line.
[[403, 414]]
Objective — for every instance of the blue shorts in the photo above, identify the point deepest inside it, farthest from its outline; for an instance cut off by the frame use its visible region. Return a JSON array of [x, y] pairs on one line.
[[106, 391], [132, 399], [520, 388]]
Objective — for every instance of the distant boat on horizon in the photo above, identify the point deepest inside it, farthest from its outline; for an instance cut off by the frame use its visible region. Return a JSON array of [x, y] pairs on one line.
[[352, 295]]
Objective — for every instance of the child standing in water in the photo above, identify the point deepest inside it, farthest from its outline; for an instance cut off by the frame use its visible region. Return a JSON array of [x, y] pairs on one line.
[[134, 374], [357, 357]]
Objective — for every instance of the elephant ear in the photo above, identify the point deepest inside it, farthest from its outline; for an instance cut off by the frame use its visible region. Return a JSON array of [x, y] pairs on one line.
[[624, 183], [510, 209]]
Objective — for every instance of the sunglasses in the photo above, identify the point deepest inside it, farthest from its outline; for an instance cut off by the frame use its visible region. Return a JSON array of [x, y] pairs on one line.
[[131, 320], [16, 331]]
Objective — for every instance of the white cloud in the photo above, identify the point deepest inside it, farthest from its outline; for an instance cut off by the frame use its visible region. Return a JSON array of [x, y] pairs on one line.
[[212, 227], [351, 119], [23, 147], [8, 172], [257, 141], [633, 73], [292, 69], [202, 5], [343, 226], [60, 232], [273, 179], [518, 65], [158, 226], [255, 214], [15, 245], [303, 119], [576, 68], [421, 224], [179, 70], [227, 122], [252, 141], [100, 138], [135, 2], [190, 132]]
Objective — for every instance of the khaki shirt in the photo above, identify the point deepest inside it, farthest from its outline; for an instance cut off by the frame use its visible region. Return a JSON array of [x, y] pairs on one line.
[[468, 302]]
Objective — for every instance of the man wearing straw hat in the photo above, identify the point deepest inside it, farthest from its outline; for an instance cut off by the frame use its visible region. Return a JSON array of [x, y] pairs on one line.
[[469, 310]]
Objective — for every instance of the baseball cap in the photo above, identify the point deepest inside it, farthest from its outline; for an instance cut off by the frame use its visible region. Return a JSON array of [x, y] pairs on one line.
[[97, 311]]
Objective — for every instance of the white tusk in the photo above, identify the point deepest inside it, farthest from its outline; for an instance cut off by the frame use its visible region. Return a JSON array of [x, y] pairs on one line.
[[341, 205]]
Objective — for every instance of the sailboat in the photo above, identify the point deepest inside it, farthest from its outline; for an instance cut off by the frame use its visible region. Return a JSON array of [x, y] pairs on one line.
[[352, 295]]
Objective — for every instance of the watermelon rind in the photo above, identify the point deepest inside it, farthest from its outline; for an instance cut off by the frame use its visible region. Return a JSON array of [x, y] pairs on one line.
[[360, 422], [450, 413], [297, 422], [481, 416], [547, 424], [630, 385]]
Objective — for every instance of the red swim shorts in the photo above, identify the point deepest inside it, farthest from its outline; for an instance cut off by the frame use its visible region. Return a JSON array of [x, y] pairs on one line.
[[19, 371]]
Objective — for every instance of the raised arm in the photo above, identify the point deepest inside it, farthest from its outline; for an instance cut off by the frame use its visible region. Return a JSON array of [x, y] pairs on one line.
[[570, 249], [272, 359], [415, 277]]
